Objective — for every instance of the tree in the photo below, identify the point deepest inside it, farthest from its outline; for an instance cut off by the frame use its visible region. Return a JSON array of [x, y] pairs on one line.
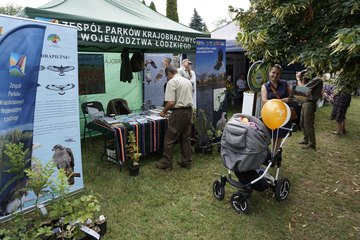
[[221, 22], [323, 34], [197, 22], [10, 9], [171, 10], [152, 6], [143, 1]]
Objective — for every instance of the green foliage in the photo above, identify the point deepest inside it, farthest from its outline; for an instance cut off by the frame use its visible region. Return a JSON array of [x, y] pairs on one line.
[[323, 35], [197, 22], [205, 132], [17, 158], [220, 23], [171, 10], [15, 136], [40, 177], [70, 210], [132, 149], [152, 6], [10, 9], [85, 207], [16, 167]]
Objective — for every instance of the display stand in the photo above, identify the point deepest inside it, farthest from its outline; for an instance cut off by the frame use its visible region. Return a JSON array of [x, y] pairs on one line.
[[251, 100], [248, 103], [258, 106]]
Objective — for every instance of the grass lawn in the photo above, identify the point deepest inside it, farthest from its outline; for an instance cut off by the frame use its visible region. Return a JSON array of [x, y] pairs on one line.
[[324, 200]]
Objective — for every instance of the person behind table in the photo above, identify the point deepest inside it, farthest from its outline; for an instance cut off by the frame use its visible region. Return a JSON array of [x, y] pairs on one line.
[[342, 100], [178, 97], [241, 86], [185, 69], [308, 109], [275, 88]]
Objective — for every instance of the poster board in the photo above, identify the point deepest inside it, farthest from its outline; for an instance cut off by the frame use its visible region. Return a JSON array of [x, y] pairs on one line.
[[211, 77], [50, 103]]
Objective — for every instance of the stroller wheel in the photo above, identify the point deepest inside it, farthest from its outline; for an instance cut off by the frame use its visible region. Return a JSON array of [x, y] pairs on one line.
[[282, 189], [218, 190], [240, 202]]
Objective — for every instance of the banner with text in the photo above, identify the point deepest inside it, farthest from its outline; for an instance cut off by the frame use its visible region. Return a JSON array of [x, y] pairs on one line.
[[39, 104], [101, 34], [211, 77]]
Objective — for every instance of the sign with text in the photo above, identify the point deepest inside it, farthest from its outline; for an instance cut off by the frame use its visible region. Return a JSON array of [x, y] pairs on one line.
[[38, 105], [19, 67], [94, 34], [211, 77]]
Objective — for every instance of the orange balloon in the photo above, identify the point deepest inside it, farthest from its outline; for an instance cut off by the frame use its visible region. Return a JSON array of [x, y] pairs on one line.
[[274, 113]]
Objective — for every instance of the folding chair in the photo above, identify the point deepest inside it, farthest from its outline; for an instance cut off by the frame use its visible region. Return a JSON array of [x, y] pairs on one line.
[[84, 107], [117, 106]]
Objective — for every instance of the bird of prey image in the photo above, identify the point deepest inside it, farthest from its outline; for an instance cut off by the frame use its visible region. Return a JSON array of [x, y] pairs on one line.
[[61, 69], [219, 61], [159, 75], [220, 125], [64, 159], [41, 67], [151, 62], [60, 88]]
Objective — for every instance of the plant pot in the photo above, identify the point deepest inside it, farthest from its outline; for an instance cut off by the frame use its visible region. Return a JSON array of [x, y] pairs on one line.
[[102, 226], [205, 149], [134, 170]]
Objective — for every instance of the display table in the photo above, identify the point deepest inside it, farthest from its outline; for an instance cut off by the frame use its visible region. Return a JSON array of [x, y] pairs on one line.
[[149, 136]]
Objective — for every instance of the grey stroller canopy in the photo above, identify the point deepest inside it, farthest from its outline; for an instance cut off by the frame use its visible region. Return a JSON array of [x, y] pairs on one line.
[[244, 143]]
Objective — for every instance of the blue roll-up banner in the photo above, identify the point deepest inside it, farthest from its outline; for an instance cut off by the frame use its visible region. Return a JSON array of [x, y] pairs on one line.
[[38, 103], [211, 77]]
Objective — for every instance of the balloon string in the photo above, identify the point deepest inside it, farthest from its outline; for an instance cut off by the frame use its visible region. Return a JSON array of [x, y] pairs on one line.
[[274, 143], [272, 147]]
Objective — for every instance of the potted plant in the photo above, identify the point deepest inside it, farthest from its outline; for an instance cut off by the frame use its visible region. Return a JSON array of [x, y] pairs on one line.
[[205, 133], [66, 217], [133, 154]]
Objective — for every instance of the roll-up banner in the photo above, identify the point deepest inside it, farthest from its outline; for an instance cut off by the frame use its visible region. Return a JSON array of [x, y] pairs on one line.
[[39, 104]]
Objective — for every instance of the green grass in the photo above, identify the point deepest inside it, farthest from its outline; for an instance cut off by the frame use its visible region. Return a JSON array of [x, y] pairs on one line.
[[324, 201]]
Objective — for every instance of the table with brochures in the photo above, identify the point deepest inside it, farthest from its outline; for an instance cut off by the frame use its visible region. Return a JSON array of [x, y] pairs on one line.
[[149, 130]]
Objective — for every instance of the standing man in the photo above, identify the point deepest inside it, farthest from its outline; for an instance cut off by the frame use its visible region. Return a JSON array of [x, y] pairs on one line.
[[185, 69], [178, 97], [186, 72], [307, 118]]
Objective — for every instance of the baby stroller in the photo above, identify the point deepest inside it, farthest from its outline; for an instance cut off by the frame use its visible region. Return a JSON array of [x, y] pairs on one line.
[[245, 151]]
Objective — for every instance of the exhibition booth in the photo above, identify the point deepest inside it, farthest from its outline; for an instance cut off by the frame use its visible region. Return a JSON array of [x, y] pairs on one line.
[[105, 29]]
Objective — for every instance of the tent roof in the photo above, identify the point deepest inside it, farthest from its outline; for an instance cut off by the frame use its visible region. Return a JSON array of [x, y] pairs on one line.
[[117, 17], [229, 32]]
